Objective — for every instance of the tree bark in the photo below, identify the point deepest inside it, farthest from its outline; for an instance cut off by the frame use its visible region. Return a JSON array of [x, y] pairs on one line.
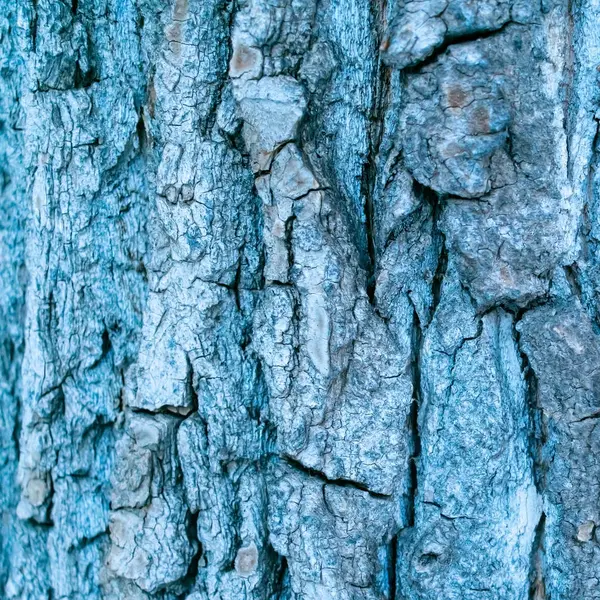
[[300, 299]]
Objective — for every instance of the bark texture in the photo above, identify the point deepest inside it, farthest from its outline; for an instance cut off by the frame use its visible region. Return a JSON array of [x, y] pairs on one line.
[[300, 299]]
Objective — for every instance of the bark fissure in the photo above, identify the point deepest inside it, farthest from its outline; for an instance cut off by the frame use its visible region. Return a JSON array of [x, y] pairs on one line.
[[537, 588], [381, 93], [536, 442], [392, 566], [368, 185], [332, 481], [435, 202], [537, 437], [453, 40], [415, 452]]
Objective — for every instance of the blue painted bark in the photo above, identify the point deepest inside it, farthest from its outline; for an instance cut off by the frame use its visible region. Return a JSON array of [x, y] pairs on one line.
[[299, 299]]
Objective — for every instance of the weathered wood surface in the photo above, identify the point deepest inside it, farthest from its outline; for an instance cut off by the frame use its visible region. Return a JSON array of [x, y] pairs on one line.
[[299, 299]]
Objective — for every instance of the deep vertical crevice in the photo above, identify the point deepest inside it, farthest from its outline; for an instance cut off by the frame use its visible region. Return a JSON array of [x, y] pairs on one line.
[[393, 560], [434, 202], [34, 25], [236, 521], [106, 343], [49, 521], [368, 184], [428, 197], [537, 435], [280, 590], [105, 348], [83, 79], [381, 94], [415, 438], [289, 245], [191, 390], [572, 273], [438, 278], [187, 583], [537, 428], [537, 586], [237, 280], [140, 130], [10, 373]]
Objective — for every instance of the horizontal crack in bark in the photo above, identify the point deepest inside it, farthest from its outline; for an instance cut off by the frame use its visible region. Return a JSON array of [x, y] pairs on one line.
[[341, 482], [452, 40]]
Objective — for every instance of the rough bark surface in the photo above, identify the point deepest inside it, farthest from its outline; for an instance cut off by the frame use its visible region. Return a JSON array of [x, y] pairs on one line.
[[300, 299]]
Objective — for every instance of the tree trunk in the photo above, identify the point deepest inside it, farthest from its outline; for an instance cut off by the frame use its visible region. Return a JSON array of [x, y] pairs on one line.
[[300, 299]]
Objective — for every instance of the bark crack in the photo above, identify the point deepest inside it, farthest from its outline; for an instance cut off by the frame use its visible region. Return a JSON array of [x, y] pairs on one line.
[[537, 440], [452, 40], [415, 438], [537, 436], [537, 587], [340, 482], [381, 93], [392, 562], [429, 197]]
